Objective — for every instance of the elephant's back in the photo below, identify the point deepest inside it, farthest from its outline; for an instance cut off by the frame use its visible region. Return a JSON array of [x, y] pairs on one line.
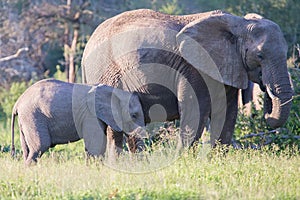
[[47, 89], [42, 95], [114, 46], [128, 24], [143, 18], [135, 19], [130, 40]]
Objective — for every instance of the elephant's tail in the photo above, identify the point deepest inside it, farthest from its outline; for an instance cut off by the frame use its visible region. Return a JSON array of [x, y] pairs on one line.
[[13, 116]]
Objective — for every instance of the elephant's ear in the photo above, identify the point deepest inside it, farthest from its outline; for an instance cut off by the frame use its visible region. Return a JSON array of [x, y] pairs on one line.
[[106, 106], [211, 45]]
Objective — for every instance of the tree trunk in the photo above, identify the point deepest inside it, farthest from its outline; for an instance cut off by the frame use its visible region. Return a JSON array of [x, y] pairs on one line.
[[66, 41], [72, 52]]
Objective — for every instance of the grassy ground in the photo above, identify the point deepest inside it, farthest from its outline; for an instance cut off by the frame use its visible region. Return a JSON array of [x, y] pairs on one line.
[[205, 174]]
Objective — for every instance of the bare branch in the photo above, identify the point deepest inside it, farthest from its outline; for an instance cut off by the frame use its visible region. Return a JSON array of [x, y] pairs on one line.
[[261, 134], [295, 69], [16, 55]]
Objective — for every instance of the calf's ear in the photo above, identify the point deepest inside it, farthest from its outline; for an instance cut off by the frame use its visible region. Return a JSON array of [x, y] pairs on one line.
[[104, 104]]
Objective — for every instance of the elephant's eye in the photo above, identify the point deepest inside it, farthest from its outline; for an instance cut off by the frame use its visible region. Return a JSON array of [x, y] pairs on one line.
[[260, 55], [134, 115]]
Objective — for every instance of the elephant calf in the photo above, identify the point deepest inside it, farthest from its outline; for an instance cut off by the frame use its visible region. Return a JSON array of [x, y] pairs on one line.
[[53, 112]]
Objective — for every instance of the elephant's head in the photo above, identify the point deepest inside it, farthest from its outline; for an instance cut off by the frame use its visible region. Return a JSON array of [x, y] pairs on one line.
[[120, 110], [233, 49]]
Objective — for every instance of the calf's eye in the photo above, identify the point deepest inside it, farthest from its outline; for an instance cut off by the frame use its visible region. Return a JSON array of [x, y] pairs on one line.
[[134, 116]]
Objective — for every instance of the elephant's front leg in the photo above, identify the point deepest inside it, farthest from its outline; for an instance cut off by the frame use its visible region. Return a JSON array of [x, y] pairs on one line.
[[194, 107], [114, 144], [223, 116], [231, 115], [94, 137]]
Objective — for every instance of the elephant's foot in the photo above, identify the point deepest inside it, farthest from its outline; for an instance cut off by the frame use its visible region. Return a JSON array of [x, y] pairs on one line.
[[91, 159]]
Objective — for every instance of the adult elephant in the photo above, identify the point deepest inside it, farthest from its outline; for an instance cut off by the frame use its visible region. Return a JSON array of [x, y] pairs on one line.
[[191, 67]]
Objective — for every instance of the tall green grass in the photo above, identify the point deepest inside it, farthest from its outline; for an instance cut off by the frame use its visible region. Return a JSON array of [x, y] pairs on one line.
[[204, 173], [237, 174]]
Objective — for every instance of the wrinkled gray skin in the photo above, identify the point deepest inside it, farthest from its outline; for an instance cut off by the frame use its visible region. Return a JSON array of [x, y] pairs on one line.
[[242, 48], [250, 98], [52, 112]]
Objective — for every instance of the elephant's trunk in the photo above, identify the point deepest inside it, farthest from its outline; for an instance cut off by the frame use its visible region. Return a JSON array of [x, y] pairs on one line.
[[278, 100], [136, 140]]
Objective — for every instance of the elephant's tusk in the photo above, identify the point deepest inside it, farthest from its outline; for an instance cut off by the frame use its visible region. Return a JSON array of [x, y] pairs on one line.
[[291, 99], [271, 95]]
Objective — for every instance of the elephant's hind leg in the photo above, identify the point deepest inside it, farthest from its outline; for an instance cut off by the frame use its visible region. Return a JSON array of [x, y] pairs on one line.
[[24, 145], [40, 143], [32, 157]]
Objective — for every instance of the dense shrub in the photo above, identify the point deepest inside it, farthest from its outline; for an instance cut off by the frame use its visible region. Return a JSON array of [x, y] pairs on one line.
[[253, 130], [9, 97]]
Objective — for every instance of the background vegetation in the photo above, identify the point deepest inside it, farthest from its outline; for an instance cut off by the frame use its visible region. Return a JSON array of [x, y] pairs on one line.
[[52, 35], [55, 31]]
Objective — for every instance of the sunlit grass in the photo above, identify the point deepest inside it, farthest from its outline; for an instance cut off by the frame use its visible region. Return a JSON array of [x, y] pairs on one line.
[[237, 174], [199, 173]]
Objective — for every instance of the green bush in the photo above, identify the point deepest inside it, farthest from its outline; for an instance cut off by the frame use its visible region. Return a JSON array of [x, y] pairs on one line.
[[293, 123], [59, 74], [9, 97], [253, 130]]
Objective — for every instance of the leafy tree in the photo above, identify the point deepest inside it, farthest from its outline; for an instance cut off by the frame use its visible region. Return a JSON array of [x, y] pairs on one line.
[[171, 8], [9, 97]]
